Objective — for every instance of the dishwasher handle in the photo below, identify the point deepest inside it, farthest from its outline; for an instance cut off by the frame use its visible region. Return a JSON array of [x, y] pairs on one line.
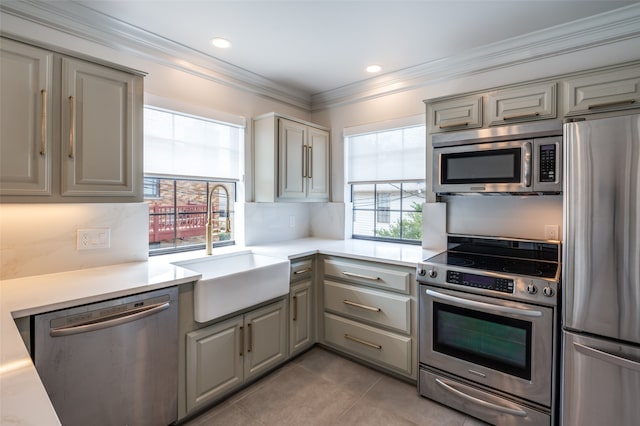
[[110, 321]]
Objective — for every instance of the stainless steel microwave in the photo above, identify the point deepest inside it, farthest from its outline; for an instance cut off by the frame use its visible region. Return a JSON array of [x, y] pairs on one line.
[[530, 165]]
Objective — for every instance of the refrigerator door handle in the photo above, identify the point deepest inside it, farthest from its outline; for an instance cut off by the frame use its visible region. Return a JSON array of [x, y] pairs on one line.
[[607, 357]]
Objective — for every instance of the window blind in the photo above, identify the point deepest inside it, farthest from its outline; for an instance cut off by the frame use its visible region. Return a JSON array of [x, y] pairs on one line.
[[389, 155], [184, 145]]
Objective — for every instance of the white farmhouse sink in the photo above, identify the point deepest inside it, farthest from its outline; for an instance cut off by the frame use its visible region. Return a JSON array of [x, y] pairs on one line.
[[236, 281]]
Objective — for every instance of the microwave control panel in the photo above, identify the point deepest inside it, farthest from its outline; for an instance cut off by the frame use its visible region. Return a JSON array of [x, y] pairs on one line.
[[548, 163]]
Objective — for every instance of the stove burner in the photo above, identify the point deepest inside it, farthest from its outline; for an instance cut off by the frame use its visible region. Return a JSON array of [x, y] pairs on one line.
[[459, 261], [516, 270]]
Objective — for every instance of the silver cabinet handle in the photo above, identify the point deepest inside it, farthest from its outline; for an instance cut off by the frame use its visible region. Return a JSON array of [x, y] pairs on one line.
[[610, 104], [305, 164], [366, 277], [302, 271], [43, 127], [485, 306], [72, 125], [362, 342], [295, 308], [110, 321], [310, 162], [607, 357], [517, 116], [457, 124], [486, 404], [527, 164], [358, 305]]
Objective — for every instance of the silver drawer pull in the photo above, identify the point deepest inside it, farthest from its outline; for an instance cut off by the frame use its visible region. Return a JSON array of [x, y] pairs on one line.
[[610, 104], [362, 342], [524, 115], [358, 305], [302, 271], [477, 401], [366, 277], [458, 124]]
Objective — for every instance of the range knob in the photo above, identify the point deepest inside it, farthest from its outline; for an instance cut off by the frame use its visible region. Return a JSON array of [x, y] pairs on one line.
[[532, 289], [421, 271], [433, 273], [547, 291]]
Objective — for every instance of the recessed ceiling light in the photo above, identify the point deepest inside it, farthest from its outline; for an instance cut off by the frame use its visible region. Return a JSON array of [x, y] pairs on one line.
[[221, 43], [374, 68]]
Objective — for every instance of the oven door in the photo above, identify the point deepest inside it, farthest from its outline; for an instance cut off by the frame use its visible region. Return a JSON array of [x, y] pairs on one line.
[[508, 346]]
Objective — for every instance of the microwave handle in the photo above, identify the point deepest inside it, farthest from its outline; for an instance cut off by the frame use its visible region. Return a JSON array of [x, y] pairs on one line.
[[527, 164]]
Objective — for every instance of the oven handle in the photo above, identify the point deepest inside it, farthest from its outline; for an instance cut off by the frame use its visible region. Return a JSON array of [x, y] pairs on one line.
[[483, 305], [473, 399]]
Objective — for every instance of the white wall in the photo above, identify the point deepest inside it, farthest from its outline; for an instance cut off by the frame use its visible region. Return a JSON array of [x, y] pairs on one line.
[[500, 221]]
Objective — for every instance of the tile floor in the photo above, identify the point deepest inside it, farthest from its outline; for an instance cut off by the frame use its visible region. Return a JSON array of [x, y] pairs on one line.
[[322, 388]]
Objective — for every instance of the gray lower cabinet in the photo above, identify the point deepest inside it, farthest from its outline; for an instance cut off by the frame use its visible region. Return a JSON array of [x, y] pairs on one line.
[[225, 355], [369, 312], [301, 306]]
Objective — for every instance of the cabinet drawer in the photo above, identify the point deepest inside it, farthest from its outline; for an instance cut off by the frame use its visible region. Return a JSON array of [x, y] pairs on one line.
[[385, 309], [301, 269], [368, 274], [605, 91], [379, 346], [534, 102], [455, 114]]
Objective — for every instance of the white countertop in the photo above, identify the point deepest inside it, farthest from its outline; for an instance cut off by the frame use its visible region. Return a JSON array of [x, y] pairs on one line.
[[24, 400]]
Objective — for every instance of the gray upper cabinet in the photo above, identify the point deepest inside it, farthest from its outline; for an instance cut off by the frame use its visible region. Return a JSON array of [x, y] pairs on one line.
[[291, 160], [527, 103], [610, 90], [455, 114], [101, 111], [26, 119], [71, 129]]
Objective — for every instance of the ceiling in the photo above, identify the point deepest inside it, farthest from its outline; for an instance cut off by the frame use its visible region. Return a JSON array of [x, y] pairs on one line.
[[317, 46]]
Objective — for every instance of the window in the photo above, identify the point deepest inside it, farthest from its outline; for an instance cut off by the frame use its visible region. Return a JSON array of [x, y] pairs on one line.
[[189, 161], [386, 175]]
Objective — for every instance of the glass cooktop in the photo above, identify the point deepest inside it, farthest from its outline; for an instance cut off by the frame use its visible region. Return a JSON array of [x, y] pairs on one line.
[[536, 259]]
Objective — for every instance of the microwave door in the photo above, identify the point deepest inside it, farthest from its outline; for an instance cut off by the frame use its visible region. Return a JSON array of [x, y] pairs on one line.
[[494, 167]]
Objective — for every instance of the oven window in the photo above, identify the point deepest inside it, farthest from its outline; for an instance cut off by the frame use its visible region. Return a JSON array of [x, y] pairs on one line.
[[495, 166], [493, 341]]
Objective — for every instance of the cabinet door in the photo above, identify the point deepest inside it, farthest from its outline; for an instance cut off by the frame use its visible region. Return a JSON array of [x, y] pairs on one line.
[[300, 317], [292, 158], [318, 164], [25, 122], [455, 114], [266, 339], [102, 130], [604, 91], [214, 362], [533, 102]]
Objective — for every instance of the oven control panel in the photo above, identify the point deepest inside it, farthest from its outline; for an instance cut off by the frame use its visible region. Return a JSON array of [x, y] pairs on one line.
[[503, 285]]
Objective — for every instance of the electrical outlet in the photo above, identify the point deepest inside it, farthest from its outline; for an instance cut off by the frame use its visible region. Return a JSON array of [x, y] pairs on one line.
[[90, 239], [551, 232]]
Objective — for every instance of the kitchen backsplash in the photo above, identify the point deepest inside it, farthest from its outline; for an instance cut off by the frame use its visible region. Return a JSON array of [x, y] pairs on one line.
[[275, 222], [42, 238]]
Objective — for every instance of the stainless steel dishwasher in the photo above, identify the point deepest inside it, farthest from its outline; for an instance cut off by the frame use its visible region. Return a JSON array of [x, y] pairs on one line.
[[113, 362]]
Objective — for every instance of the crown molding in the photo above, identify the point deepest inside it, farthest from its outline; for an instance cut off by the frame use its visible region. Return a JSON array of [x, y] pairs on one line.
[[606, 28], [79, 21]]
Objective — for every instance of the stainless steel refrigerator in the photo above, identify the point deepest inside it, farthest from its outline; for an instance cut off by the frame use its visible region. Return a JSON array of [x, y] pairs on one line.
[[601, 273]]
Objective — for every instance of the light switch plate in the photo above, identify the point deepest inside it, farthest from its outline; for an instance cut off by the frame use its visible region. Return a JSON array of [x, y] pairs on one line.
[[551, 232], [90, 239]]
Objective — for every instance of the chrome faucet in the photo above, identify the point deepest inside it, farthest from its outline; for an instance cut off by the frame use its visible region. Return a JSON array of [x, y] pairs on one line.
[[209, 227]]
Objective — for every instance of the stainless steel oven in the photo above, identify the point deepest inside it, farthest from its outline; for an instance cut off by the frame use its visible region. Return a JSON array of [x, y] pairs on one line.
[[488, 329]]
